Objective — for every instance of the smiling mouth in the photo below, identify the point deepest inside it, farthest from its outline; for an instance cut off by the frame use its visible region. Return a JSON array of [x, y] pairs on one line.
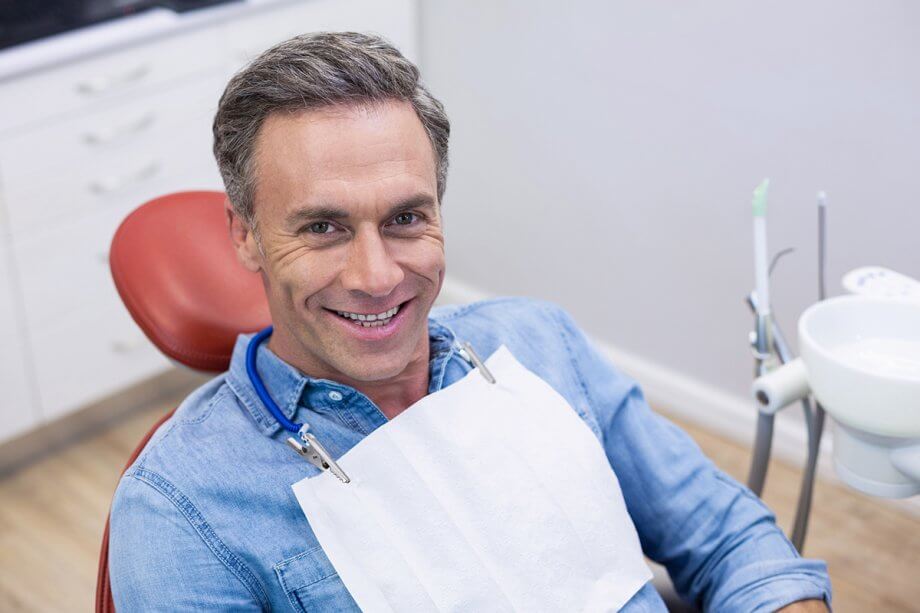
[[370, 320]]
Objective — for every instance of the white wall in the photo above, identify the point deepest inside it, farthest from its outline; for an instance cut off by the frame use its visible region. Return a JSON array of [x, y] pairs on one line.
[[604, 153]]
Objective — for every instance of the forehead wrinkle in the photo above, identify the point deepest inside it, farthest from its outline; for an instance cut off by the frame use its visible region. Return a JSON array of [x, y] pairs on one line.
[[405, 179], [367, 167], [357, 175], [351, 183]]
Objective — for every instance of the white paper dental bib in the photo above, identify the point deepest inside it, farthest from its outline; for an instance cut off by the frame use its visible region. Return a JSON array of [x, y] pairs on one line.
[[479, 497]]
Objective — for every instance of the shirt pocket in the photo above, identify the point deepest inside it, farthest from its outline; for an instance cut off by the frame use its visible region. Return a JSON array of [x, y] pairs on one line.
[[311, 583]]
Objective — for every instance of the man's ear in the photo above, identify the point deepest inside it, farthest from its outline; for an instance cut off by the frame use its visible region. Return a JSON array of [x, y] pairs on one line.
[[244, 240]]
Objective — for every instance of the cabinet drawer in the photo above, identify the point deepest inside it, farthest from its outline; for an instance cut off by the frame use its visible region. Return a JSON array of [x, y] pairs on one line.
[[88, 358], [64, 269], [394, 19], [64, 272], [90, 84], [56, 173]]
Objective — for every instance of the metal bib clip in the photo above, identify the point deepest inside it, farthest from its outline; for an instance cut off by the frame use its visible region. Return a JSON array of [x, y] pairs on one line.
[[313, 452], [467, 353]]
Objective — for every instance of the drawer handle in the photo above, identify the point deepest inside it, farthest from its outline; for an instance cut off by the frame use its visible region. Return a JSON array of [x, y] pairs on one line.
[[101, 85], [128, 346], [116, 133], [109, 185]]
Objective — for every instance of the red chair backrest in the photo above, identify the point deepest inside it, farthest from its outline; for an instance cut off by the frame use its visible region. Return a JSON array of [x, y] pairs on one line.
[[177, 273]]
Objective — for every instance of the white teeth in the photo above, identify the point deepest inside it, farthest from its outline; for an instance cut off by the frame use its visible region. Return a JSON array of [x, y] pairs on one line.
[[372, 320]]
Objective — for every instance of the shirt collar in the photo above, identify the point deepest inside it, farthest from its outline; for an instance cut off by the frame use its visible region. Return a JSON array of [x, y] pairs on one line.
[[286, 384]]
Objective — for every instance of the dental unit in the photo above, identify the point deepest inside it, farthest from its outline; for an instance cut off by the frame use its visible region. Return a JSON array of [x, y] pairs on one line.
[[860, 363]]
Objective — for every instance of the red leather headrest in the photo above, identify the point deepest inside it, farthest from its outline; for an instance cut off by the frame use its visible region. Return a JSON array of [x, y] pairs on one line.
[[176, 271]]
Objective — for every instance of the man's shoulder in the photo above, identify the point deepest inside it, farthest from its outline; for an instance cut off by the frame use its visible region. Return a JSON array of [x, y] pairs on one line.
[[540, 334], [532, 329], [504, 314], [527, 326], [208, 412], [193, 467], [546, 340]]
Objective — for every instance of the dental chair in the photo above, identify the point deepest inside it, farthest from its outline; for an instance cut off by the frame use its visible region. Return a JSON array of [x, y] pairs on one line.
[[177, 273]]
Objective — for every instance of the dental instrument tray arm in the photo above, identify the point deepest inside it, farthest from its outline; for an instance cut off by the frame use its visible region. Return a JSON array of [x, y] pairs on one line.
[[770, 350]]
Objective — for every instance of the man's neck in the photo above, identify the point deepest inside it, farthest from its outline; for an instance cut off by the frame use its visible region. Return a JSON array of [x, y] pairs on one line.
[[395, 396], [392, 396]]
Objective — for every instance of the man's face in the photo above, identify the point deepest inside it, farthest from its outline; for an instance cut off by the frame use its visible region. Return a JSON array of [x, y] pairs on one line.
[[348, 222]]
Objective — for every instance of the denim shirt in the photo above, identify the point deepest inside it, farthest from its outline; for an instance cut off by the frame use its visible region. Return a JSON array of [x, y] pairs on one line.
[[206, 518]]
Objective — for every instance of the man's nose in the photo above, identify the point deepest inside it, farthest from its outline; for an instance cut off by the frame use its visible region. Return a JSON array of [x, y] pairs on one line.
[[370, 269]]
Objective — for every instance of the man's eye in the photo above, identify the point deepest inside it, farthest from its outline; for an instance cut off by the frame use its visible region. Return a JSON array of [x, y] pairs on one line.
[[320, 227], [404, 219]]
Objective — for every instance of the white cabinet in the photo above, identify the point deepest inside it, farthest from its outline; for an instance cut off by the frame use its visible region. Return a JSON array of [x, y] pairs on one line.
[[106, 158], [82, 359], [128, 128], [107, 80], [81, 145]]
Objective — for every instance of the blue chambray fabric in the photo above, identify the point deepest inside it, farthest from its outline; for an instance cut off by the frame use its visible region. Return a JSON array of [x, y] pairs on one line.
[[206, 519]]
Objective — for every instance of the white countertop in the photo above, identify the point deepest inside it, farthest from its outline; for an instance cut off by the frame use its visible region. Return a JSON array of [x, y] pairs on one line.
[[70, 46]]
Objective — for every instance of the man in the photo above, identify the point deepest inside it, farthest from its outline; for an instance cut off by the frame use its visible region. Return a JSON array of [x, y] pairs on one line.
[[335, 160]]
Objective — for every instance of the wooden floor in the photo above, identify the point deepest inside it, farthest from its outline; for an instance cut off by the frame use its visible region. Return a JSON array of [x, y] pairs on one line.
[[52, 514]]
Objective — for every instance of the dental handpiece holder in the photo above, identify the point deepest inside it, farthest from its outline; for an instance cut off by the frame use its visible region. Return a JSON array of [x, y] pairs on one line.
[[860, 359]]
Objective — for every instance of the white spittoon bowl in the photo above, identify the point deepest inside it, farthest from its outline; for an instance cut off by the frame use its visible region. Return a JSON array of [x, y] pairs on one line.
[[862, 357]]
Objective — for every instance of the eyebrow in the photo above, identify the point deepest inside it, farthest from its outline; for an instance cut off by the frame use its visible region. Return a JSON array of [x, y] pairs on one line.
[[310, 213]]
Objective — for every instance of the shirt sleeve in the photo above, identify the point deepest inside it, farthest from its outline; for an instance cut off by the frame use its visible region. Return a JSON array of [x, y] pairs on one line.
[[719, 542], [159, 562]]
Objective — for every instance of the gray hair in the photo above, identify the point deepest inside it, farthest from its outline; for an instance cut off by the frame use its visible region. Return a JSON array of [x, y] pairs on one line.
[[308, 72]]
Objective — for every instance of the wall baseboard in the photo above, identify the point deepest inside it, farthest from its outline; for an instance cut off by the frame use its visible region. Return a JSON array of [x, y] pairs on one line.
[[704, 405]]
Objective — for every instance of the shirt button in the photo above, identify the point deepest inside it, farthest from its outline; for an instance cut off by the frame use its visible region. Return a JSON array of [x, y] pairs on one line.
[[336, 396]]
